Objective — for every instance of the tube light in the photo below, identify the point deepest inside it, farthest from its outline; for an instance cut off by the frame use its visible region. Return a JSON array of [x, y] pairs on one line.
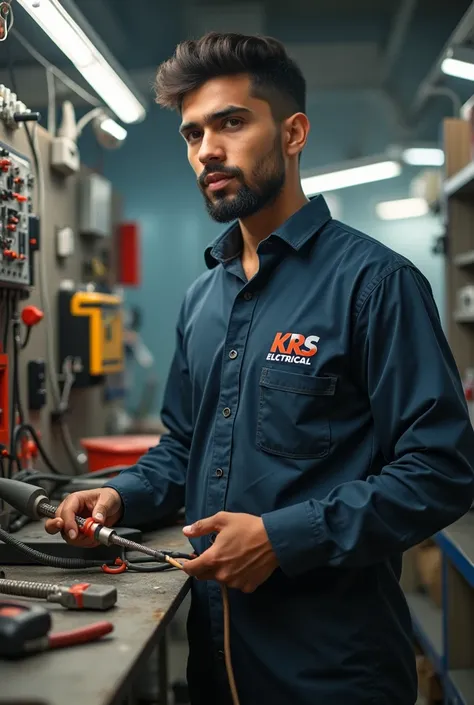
[[423, 156], [402, 208], [352, 176], [457, 68], [114, 129], [58, 24]]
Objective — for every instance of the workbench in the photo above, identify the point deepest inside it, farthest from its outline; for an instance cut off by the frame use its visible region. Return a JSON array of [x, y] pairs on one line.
[[98, 673]]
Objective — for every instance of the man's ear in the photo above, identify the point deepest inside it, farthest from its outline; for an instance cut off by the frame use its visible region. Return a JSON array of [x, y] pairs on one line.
[[296, 129]]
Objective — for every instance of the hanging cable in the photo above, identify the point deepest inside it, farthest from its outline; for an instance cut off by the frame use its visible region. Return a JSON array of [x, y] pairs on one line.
[[72, 85]]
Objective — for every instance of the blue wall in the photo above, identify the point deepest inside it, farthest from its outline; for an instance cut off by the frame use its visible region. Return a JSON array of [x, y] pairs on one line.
[[159, 189]]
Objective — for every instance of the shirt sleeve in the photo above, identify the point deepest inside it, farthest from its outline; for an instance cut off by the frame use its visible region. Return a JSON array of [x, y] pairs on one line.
[[154, 488], [403, 363]]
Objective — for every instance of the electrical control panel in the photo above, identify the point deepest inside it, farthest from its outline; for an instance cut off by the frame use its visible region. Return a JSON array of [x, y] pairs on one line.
[[18, 225]]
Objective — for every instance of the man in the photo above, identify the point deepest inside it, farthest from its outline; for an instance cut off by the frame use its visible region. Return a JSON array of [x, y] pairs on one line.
[[317, 424]]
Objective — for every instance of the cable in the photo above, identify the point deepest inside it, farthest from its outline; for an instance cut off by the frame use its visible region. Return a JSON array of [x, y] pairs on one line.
[[72, 85], [45, 559], [79, 563], [51, 102], [27, 428], [46, 305], [228, 659]]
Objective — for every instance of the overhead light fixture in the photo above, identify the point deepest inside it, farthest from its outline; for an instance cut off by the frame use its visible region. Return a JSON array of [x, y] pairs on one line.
[[113, 129], [459, 62], [402, 208], [102, 73], [423, 156], [350, 174]]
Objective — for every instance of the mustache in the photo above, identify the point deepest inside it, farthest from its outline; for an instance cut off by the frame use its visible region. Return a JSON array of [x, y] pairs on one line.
[[217, 169]]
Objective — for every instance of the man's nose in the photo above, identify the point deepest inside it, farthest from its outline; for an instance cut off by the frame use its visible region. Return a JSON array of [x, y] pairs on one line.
[[211, 149]]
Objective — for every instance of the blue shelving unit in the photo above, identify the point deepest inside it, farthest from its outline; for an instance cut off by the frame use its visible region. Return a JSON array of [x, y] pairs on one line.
[[446, 635]]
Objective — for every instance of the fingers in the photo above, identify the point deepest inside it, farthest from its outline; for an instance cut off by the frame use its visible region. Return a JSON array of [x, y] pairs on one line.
[[54, 526], [108, 503], [204, 567], [71, 506], [202, 527]]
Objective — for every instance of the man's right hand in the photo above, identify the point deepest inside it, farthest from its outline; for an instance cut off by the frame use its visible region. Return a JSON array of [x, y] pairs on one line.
[[104, 505]]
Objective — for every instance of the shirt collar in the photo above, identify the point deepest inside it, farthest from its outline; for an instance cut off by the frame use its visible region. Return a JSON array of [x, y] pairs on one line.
[[295, 231]]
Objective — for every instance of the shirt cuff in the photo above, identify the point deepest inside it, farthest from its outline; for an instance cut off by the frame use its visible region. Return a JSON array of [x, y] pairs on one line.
[[133, 494], [293, 533]]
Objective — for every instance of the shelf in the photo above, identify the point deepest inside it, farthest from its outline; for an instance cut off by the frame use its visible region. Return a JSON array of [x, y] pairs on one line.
[[462, 183], [464, 260], [464, 317], [428, 625], [461, 683], [457, 542]]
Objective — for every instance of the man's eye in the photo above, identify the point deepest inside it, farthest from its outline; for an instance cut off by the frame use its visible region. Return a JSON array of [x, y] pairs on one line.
[[232, 122], [193, 135]]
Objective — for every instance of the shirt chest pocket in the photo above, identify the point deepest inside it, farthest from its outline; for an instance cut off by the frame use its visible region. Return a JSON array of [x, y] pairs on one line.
[[293, 414]]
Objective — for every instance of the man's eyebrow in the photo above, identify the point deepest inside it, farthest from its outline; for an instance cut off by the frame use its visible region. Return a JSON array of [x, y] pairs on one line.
[[219, 115]]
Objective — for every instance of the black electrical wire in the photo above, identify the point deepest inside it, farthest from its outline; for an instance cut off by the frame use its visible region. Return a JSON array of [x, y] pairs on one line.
[[26, 428], [81, 563], [53, 561], [26, 339]]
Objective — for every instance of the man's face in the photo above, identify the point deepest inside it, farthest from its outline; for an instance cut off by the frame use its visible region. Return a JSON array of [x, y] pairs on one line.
[[234, 147]]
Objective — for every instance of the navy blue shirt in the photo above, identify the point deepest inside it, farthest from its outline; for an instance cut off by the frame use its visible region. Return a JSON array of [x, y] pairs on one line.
[[321, 395]]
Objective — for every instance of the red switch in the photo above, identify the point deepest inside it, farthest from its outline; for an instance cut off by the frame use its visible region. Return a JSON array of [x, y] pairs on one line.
[[31, 315], [11, 227], [20, 197], [5, 163]]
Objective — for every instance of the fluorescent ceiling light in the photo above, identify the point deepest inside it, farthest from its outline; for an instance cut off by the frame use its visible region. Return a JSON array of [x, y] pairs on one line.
[[423, 156], [457, 68], [113, 128], [58, 24], [402, 208], [350, 176]]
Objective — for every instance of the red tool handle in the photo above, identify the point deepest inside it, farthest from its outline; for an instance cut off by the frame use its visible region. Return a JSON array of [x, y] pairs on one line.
[[82, 635]]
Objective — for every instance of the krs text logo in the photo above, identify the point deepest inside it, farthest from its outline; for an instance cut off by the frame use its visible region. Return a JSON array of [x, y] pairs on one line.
[[293, 347]]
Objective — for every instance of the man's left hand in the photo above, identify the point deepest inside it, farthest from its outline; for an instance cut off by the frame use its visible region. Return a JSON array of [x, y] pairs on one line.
[[241, 556]]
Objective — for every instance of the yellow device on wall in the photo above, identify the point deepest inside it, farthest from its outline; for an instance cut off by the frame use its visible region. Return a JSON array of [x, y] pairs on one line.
[[91, 331]]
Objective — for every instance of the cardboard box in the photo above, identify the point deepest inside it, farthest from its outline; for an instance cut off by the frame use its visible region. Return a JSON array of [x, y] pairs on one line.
[[428, 561]]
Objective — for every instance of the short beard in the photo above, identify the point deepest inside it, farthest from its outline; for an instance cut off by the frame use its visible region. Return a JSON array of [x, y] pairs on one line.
[[268, 177]]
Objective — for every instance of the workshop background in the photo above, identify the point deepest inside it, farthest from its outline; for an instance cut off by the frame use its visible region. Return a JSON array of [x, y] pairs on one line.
[[123, 227]]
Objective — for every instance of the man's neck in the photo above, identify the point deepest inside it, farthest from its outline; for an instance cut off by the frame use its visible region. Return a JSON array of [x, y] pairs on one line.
[[262, 224]]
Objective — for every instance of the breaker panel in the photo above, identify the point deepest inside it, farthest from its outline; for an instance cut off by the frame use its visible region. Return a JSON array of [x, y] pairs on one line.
[[18, 225]]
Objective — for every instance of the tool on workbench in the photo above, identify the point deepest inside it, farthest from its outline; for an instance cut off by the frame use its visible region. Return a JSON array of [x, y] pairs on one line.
[[34, 502], [78, 596], [24, 630]]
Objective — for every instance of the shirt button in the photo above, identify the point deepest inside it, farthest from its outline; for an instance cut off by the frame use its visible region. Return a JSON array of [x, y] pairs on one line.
[[226, 412], [221, 654], [219, 472], [233, 354], [248, 295]]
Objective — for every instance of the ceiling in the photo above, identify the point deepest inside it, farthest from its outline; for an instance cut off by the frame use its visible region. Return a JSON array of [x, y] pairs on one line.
[[345, 47]]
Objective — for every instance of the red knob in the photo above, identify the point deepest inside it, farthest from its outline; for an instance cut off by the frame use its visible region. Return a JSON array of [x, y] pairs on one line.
[[5, 163], [20, 197], [31, 315], [11, 227]]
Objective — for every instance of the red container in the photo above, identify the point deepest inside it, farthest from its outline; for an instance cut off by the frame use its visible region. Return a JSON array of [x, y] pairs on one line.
[[108, 451]]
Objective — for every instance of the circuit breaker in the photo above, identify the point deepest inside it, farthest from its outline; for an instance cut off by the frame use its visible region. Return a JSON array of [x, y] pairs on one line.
[[19, 228]]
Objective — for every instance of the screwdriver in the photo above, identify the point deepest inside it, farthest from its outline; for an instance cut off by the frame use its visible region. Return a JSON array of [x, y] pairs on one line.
[[34, 503]]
